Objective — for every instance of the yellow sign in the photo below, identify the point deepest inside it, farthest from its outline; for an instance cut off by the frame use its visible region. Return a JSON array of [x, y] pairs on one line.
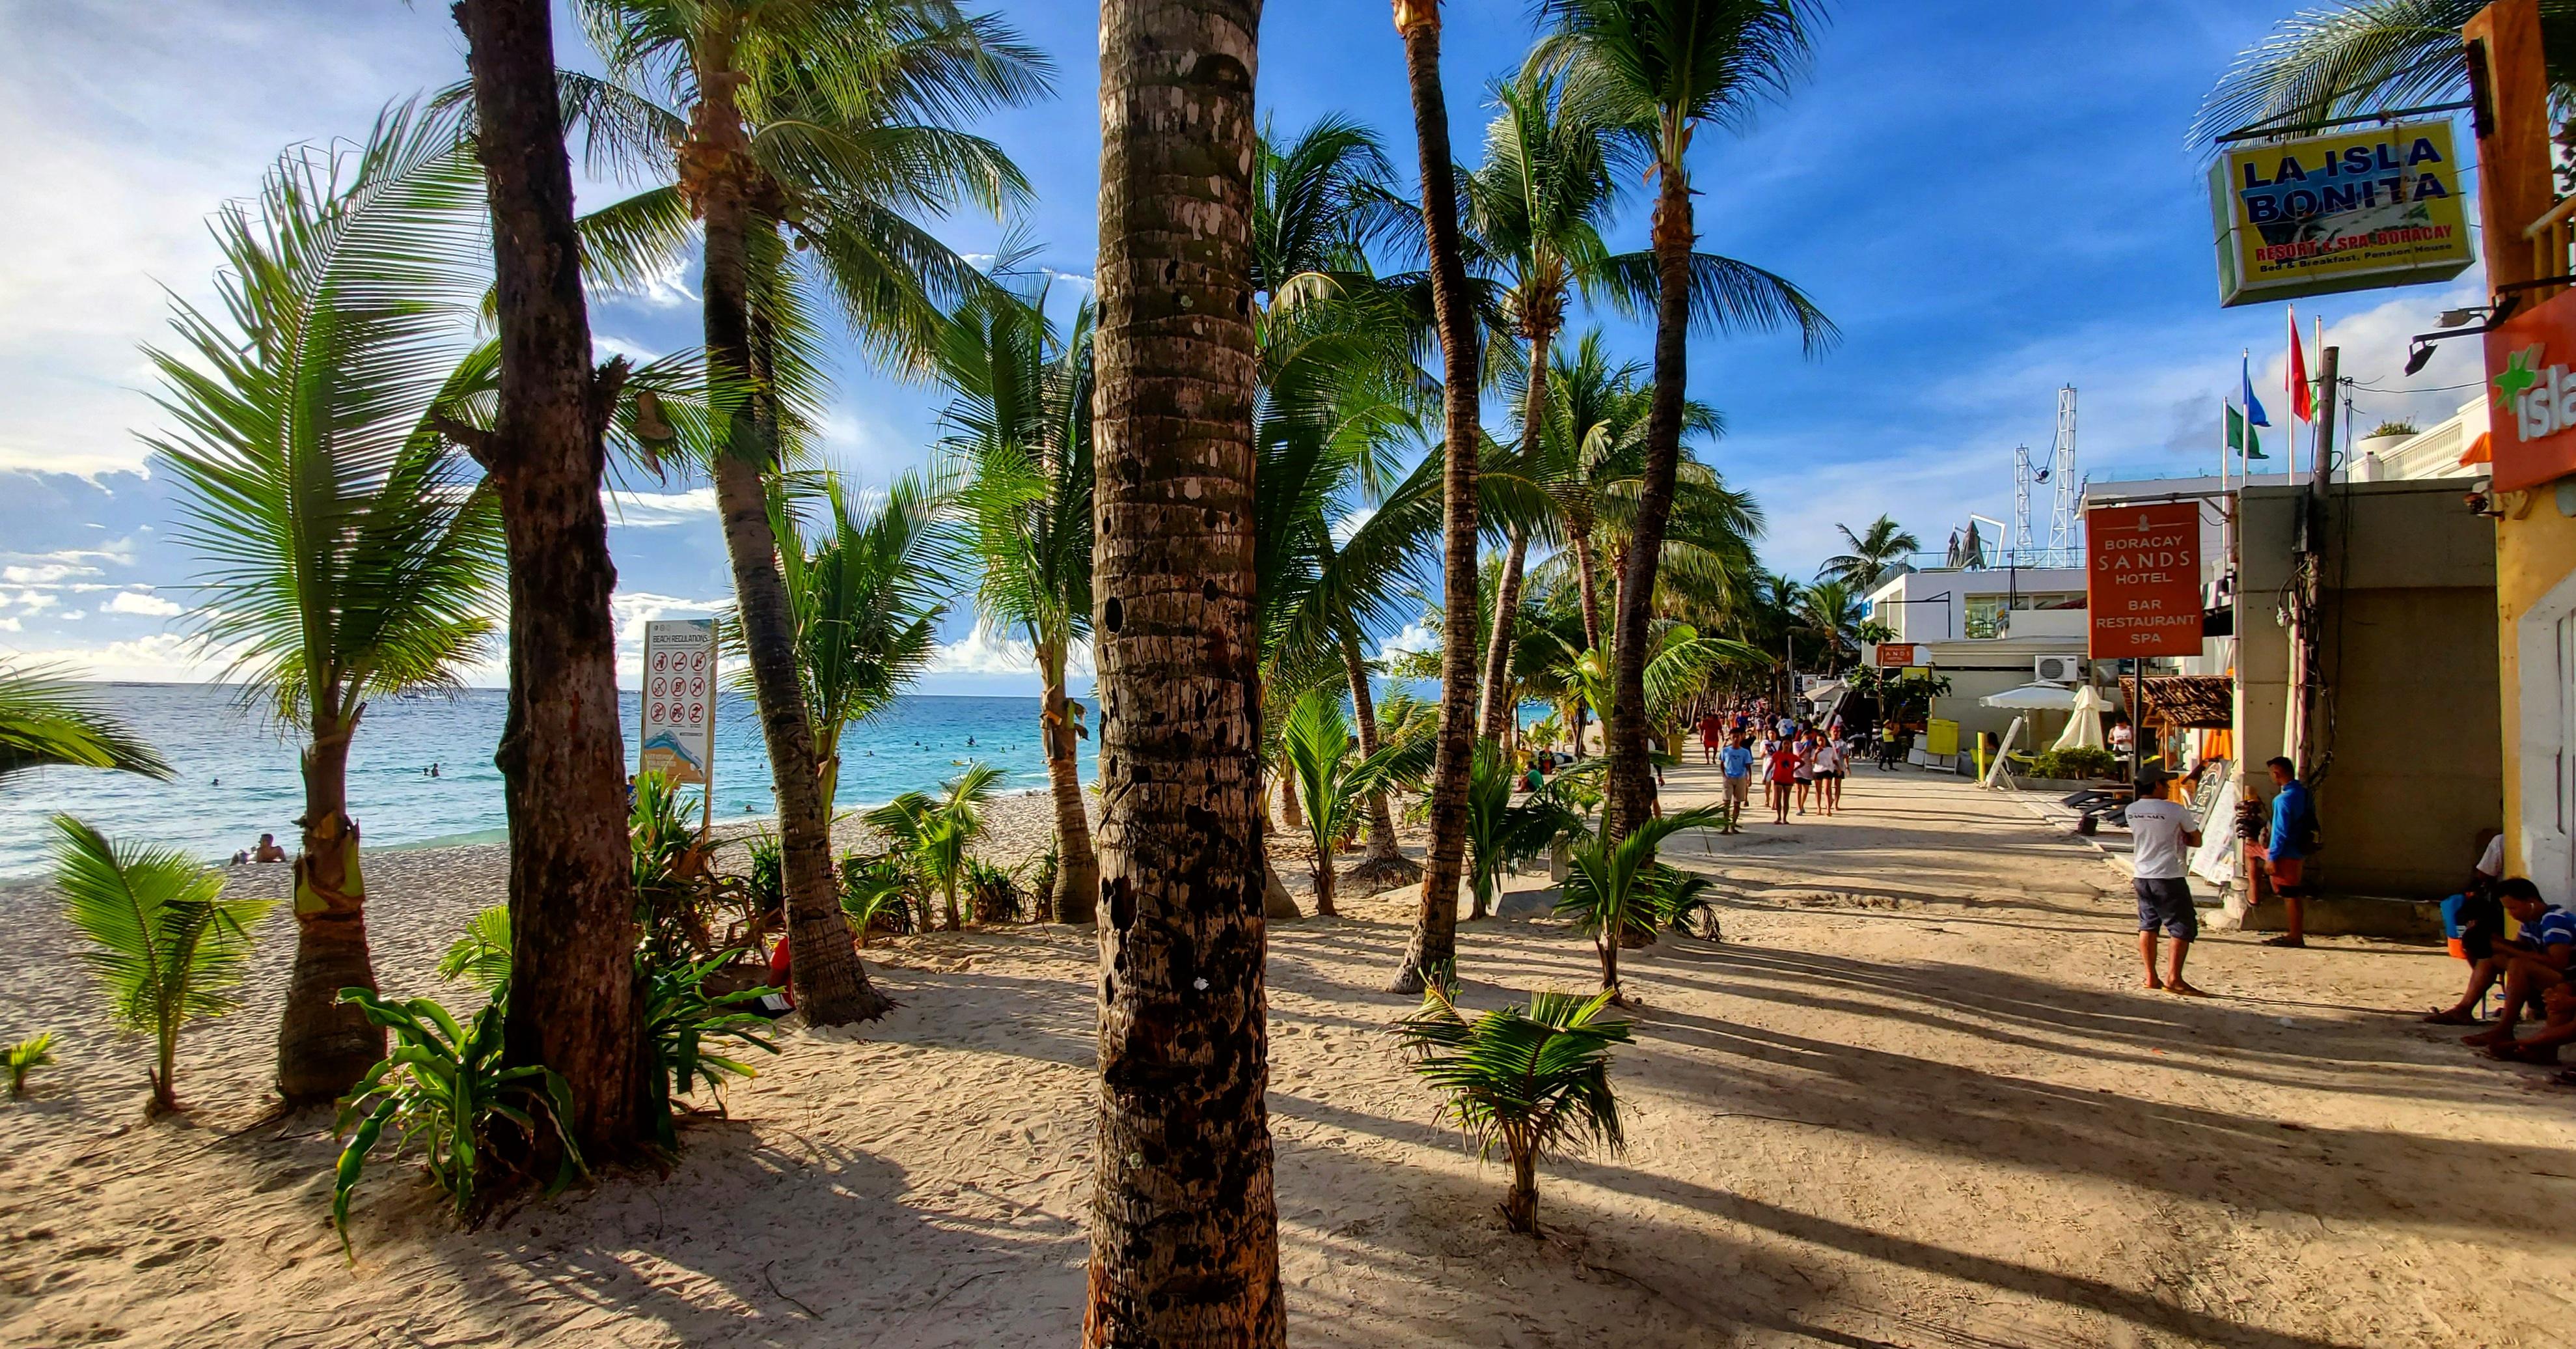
[[2353, 210]]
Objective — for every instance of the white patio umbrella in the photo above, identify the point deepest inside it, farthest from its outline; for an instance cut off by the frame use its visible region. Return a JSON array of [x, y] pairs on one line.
[[2033, 698], [2084, 729]]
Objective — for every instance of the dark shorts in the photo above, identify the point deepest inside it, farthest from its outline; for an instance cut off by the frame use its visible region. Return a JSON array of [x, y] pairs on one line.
[[2167, 904]]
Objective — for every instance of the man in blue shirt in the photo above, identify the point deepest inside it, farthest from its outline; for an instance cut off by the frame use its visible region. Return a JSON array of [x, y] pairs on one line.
[[2534, 962], [1736, 762], [2293, 838]]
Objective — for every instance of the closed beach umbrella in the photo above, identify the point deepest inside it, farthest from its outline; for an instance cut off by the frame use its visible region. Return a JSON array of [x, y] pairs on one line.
[[2084, 729], [2035, 698]]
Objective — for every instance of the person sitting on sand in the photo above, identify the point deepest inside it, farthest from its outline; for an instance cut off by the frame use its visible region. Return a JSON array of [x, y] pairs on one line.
[[266, 850], [2487, 950], [2163, 834], [2532, 963]]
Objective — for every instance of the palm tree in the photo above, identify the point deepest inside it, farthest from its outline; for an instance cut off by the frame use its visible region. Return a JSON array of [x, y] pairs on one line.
[[164, 944], [1328, 782], [1871, 554], [1019, 436], [1184, 1220], [47, 719], [1500, 834], [1659, 70], [350, 552], [1614, 887], [935, 832], [2322, 63], [1833, 612], [1536, 1082], [865, 595], [1536, 207], [826, 120], [573, 1007], [1434, 944]]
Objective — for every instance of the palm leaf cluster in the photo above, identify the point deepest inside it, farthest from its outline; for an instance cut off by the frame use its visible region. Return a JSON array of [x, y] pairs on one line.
[[1319, 754], [935, 833], [1533, 1082], [46, 719], [867, 588]]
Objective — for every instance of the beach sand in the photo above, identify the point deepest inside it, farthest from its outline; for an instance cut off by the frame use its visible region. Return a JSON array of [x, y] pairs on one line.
[[1914, 1098]]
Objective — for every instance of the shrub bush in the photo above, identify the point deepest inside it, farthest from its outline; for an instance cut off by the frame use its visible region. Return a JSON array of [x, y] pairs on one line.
[[2083, 761]]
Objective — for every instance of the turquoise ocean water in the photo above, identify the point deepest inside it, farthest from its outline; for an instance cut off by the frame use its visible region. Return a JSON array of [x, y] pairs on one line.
[[237, 775]]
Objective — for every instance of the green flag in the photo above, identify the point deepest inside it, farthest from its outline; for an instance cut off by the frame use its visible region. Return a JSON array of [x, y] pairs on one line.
[[2241, 436]]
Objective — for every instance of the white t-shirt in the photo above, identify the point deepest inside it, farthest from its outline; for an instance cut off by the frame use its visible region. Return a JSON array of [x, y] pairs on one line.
[[2157, 826], [2491, 862]]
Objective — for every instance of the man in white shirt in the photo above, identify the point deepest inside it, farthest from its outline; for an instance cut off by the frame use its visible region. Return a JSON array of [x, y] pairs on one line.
[[2163, 833]]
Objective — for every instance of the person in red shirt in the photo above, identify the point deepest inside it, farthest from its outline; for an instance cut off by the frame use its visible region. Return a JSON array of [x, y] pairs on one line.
[[1780, 772], [1711, 732]]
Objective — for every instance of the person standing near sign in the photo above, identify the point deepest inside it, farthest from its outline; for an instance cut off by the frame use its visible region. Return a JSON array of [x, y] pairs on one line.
[[2162, 831], [2293, 838]]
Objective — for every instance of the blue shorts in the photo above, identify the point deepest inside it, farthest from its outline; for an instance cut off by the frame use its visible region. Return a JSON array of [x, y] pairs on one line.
[[2166, 904]]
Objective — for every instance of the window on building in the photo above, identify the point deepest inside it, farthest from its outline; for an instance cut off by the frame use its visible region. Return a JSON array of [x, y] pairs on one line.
[[1985, 617]]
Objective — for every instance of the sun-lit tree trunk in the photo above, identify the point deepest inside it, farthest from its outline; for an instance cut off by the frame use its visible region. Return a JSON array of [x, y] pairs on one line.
[[1385, 860], [323, 1045], [1184, 1222], [831, 988], [1434, 945], [1077, 886], [1632, 778], [1586, 589], [1499, 715], [572, 893]]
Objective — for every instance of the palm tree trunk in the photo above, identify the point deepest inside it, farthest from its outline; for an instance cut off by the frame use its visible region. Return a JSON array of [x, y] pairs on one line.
[[1077, 886], [1385, 861], [1324, 880], [1585, 586], [1520, 1205], [830, 986], [1632, 779], [1290, 810], [572, 892], [1499, 715], [1435, 930], [1184, 1220], [323, 1045]]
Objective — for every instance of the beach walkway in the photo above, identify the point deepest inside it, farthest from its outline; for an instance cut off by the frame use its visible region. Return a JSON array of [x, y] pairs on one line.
[[1914, 1097]]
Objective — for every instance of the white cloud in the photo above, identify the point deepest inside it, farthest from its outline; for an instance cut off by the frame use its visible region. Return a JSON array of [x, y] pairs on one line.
[[986, 652], [46, 573], [1414, 638], [74, 615], [653, 510], [9, 625], [161, 657], [120, 552], [30, 600], [141, 602], [613, 345]]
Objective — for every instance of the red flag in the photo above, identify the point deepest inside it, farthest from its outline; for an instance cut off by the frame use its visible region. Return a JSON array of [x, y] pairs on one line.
[[2302, 403]]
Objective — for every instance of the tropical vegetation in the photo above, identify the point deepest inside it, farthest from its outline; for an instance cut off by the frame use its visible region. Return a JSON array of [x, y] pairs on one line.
[[46, 719], [1534, 1083]]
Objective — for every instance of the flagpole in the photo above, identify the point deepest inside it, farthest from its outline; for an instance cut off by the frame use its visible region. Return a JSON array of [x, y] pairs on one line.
[[2289, 373]]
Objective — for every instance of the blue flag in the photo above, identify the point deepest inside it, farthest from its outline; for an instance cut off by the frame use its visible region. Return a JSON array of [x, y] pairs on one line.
[[2253, 406]]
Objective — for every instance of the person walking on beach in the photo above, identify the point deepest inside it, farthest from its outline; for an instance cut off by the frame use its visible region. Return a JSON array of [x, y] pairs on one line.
[[2163, 832], [1802, 754], [1711, 733], [1830, 761], [2292, 840], [1735, 762], [1780, 770]]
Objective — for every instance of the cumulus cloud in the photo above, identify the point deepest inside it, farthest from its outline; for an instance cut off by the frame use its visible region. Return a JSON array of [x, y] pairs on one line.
[[986, 652], [160, 657], [141, 602], [654, 510], [1413, 639], [46, 573]]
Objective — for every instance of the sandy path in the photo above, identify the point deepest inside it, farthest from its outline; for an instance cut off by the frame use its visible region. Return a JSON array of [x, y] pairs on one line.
[[1913, 1098]]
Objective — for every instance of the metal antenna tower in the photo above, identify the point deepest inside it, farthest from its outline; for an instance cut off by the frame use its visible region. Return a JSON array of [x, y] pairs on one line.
[[2063, 544], [2019, 539]]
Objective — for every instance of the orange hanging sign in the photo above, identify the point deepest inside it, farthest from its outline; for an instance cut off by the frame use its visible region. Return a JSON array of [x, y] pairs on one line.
[[2142, 580]]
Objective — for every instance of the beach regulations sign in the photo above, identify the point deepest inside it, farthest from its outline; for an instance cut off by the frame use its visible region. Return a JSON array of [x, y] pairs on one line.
[[679, 699], [2351, 210], [2142, 580]]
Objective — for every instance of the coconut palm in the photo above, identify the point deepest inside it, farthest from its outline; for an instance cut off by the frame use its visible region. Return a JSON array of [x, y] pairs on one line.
[[1615, 889], [1329, 782], [2368, 57], [1018, 435], [1870, 555], [1536, 1082], [350, 551], [1833, 611], [163, 943], [936, 832], [865, 592], [1184, 1218], [1659, 70], [47, 719], [830, 121]]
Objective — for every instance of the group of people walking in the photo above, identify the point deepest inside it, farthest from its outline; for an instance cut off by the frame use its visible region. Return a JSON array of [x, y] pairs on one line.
[[1800, 765]]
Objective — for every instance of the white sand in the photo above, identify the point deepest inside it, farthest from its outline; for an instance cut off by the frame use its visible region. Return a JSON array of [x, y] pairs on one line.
[[1914, 1098]]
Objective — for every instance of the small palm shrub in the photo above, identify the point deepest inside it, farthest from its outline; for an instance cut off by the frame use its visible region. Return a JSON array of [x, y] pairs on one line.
[[765, 886], [1329, 783], [683, 1021], [481, 957], [26, 1056], [444, 1091], [1502, 835], [1613, 889], [164, 944], [1046, 871], [993, 893], [1534, 1083], [934, 832], [878, 891]]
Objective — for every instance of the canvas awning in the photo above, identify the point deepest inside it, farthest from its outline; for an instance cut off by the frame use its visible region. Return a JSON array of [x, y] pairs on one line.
[[2201, 702]]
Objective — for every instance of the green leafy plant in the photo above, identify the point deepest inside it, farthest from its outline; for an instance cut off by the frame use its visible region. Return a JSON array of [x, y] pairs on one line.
[[935, 832], [993, 893], [164, 944], [1046, 874], [48, 719], [1534, 1083], [1331, 783], [1613, 888], [444, 1090], [2081, 761], [482, 956], [878, 891], [671, 890], [1502, 835], [2398, 428], [682, 1020], [26, 1056]]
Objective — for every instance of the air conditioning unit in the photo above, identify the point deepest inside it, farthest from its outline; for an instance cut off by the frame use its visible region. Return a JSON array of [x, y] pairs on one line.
[[2058, 669]]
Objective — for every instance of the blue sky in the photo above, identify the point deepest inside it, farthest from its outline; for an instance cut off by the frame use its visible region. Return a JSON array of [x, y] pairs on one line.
[[1992, 200]]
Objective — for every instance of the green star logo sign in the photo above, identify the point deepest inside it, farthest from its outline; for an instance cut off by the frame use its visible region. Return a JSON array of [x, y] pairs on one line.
[[2520, 373]]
